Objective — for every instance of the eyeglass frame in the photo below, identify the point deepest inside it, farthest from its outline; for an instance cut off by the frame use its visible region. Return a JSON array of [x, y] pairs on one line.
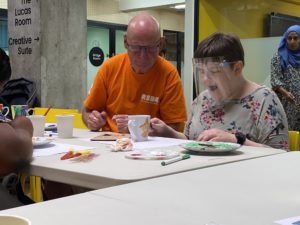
[[223, 64], [146, 48]]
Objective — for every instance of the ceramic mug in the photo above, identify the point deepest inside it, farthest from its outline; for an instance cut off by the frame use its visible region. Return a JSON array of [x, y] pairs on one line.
[[14, 220], [138, 126], [20, 110], [4, 110]]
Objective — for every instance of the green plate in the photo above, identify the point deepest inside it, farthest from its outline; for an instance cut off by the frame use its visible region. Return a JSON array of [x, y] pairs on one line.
[[210, 146]]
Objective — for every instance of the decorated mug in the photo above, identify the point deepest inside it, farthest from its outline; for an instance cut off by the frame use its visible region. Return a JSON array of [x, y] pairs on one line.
[[138, 126], [4, 110], [20, 110]]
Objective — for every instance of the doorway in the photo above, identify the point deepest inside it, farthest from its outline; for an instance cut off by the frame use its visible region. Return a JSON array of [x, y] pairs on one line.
[[107, 40], [174, 48], [3, 30]]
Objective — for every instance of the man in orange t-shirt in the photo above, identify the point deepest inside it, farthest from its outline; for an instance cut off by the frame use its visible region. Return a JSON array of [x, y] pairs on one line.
[[136, 82]]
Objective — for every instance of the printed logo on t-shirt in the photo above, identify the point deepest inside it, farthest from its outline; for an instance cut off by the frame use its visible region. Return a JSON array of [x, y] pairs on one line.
[[150, 99]]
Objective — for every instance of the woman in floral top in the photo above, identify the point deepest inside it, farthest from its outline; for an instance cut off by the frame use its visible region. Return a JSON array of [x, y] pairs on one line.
[[231, 109], [285, 75]]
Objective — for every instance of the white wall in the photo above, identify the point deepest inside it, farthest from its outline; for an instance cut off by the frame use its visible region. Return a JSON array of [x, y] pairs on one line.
[[258, 54], [138, 4], [108, 11], [3, 4]]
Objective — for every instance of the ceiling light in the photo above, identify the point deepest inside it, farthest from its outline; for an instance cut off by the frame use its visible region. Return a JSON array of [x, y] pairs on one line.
[[178, 7], [181, 6]]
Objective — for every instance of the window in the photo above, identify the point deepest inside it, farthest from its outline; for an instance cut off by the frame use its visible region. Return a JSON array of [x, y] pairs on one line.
[[3, 29]]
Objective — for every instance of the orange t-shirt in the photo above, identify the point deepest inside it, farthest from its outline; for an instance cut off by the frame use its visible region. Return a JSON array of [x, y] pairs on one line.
[[117, 89]]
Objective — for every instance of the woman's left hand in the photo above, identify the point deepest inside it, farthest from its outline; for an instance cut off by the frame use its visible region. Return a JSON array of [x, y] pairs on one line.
[[216, 135], [291, 98]]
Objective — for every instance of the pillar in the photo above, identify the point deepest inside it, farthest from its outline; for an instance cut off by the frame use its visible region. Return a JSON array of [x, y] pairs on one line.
[[47, 44]]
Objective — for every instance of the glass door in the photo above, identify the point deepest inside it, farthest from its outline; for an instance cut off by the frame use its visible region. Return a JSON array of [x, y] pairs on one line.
[[103, 41], [97, 43]]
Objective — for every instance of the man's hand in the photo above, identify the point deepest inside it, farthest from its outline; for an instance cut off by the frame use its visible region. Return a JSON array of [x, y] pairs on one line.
[[96, 120], [122, 122]]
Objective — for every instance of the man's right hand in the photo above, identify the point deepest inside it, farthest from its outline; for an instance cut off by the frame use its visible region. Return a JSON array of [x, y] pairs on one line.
[[96, 120]]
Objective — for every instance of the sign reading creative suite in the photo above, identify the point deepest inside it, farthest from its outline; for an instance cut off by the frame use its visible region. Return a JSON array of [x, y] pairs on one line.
[[24, 36]]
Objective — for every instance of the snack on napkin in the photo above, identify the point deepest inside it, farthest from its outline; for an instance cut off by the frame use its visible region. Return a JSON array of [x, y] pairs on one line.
[[79, 155], [122, 144]]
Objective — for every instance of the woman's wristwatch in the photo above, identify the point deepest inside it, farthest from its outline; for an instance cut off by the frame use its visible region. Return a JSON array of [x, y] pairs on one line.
[[240, 138]]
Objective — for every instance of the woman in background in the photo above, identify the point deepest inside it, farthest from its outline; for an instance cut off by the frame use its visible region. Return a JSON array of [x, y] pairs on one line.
[[285, 75], [5, 69]]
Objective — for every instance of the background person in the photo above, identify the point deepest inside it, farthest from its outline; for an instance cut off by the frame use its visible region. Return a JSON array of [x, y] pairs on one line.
[[231, 109], [136, 82], [285, 75], [5, 68]]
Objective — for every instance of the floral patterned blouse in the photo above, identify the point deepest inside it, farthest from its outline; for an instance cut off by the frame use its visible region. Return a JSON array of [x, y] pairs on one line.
[[259, 115], [289, 80]]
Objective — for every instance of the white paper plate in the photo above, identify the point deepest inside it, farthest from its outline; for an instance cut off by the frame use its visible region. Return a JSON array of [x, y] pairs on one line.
[[39, 141], [210, 146], [152, 154]]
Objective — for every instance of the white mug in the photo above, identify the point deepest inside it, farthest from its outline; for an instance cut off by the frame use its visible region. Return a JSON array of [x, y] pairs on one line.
[[13, 220], [138, 126]]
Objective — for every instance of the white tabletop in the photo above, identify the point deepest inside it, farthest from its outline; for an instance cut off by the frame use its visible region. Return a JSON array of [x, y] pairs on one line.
[[258, 191], [112, 168]]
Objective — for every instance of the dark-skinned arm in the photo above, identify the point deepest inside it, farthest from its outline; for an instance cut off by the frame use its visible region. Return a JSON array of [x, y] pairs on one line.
[[15, 145]]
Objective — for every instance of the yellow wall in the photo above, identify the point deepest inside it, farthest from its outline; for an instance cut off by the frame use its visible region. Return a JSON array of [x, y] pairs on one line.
[[242, 17]]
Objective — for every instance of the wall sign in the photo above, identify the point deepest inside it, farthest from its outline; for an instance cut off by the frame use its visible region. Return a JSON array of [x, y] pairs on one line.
[[96, 56]]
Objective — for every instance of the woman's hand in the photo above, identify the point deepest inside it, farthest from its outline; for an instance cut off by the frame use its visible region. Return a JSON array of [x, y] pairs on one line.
[[217, 135], [161, 129], [158, 127], [291, 98]]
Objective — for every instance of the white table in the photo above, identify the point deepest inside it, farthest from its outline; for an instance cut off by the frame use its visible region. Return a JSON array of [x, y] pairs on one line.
[[112, 168], [258, 191]]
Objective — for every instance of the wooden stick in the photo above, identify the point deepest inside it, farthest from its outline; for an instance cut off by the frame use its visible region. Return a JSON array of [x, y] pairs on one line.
[[45, 114]]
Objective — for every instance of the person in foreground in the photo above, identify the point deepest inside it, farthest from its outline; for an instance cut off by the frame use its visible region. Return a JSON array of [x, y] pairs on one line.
[[285, 71], [15, 136], [232, 108], [16, 142], [138, 81], [15, 153]]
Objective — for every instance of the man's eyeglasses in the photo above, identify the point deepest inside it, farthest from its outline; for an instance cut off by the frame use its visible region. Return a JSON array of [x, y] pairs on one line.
[[138, 48]]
